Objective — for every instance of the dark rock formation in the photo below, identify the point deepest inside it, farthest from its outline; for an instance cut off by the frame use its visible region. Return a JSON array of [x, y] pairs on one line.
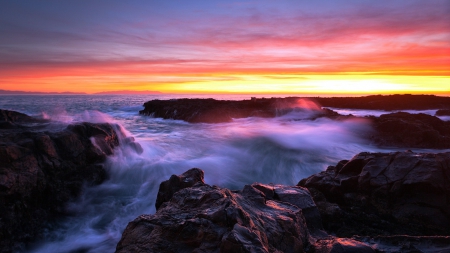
[[443, 112], [216, 111], [387, 102], [407, 130], [401, 193], [44, 165], [203, 218], [398, 129], [376, 202]]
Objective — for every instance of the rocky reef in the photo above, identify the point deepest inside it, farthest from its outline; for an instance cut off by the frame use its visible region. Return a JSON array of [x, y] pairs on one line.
[[408, 130], [43, 165], [217, 111], [375, 202], [387, 102], [385, 194], [397, 129]]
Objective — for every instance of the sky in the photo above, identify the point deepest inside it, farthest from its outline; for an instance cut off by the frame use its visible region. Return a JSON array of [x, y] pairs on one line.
[[265, 46]]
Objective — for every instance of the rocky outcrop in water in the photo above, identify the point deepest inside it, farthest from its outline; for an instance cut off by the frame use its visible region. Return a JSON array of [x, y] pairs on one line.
[[195, 217], [217, 111], [443, 112], [376, 202], [401, 193], [42, 166], [407, 130], [399, 129], [387, 102]]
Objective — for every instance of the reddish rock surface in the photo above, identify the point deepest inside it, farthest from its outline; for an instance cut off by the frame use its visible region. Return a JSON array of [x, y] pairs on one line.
[[42, 166], [407, 130], [401, 193], [399, 129], [259, 218], [217, 111]]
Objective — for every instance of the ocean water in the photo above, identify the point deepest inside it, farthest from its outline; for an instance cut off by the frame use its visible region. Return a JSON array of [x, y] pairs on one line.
[[280, 150]]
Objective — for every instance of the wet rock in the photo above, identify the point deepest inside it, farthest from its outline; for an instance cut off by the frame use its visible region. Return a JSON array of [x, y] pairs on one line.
[[403, 129], [204, 218], [42, 167], [176, 183], [408, 244], [197, 217], [217, 111], [342, 245], [385, 194]]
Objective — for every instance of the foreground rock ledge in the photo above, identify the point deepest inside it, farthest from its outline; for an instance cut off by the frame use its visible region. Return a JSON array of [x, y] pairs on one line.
[[204, 218], [376, 202], [43, 165], [385, 194]]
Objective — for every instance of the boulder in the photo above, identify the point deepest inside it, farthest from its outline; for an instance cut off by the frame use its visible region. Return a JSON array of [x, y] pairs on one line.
[[385, 194], [195, 217], [42, 166], [408, 130]]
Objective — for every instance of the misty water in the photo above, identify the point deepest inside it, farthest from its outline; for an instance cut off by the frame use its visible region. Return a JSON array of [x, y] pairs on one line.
[[280, 150]]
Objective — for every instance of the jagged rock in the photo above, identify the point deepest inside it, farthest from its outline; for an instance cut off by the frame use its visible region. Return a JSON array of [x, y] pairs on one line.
[[42, 168], [385, 194], [403, 129], [259, 218], [176, 183]]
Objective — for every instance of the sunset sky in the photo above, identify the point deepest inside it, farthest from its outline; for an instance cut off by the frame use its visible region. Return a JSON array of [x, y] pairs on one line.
[[284, 46]]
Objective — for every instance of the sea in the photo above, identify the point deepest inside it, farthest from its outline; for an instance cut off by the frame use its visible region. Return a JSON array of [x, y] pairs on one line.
[[280, 150]]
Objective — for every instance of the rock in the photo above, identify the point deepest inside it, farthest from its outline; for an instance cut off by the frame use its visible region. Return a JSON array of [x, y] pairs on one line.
[[385, 194], [217, 111], [342, 245], [42, 167], [176, 183], [387, 102], [408, 244], [443, 112], [403, 129], [195, 217]]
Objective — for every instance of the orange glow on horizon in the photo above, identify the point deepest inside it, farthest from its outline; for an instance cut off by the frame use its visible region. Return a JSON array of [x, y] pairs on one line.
[[310, 47]]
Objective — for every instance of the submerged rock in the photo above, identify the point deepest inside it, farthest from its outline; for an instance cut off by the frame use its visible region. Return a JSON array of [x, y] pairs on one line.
[[203, 218], [400, 193], [42, 167]]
